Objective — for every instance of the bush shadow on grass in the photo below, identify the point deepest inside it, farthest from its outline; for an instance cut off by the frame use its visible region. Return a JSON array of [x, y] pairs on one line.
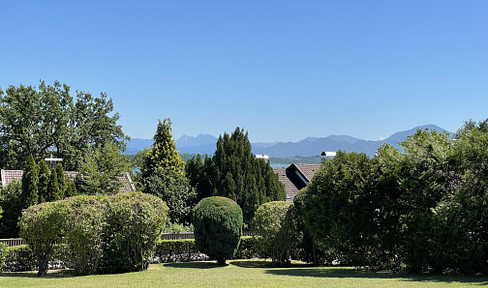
[[324, 272], [33, 274], [193, 265], [263, 264]]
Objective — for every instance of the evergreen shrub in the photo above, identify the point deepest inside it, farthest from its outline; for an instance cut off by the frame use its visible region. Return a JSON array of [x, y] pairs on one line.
[[217, 222]]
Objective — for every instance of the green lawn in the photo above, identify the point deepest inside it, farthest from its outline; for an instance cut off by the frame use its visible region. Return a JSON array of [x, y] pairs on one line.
[[240, 273]]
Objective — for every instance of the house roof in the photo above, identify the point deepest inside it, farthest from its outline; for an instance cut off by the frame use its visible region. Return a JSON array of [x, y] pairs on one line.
[[10, 175], [307, 170], [295, 177]]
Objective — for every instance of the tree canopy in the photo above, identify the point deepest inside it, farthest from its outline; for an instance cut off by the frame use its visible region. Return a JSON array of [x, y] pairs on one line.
[[47, 120]]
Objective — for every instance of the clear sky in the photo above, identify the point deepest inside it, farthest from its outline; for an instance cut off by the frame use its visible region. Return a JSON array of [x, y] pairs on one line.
[[283, 70]]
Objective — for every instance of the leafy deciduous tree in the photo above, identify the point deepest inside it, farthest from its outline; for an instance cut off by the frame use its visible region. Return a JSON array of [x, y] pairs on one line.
[[47, 120]]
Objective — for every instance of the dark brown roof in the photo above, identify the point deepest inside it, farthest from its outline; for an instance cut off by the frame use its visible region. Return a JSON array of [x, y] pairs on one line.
[[308, 170], [10, 175], [295, 177]]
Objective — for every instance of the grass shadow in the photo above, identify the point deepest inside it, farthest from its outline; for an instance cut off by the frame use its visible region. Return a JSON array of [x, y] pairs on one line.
[[353, 273], [264, 264], [33, 274], [193, 265]]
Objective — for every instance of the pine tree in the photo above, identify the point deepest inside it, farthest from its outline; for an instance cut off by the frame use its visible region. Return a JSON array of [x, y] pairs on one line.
[[30, 183], [43, 181], [163, 154], [163, 175]]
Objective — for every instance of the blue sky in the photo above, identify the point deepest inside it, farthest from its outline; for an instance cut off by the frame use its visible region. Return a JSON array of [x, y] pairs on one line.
[[283, 70]]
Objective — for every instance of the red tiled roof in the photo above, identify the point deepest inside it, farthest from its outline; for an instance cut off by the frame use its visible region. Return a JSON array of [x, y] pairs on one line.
[[10, 175]]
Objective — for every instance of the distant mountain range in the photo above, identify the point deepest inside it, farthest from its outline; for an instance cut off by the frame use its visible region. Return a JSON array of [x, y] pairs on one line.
[[311, 146]]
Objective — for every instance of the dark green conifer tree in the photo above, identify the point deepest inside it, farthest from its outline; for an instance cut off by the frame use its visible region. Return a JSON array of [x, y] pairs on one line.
[[43, 181], [54, 191], [30, 183], [234, 172], [71, 191], [62, 181]]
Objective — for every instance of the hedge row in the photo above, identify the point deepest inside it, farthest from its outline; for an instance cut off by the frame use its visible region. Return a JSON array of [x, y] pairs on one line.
[[21, 258], [186, 250]]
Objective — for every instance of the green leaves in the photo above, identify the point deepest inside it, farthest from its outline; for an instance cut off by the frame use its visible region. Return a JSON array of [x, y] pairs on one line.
[[47, 120], [277, 225]]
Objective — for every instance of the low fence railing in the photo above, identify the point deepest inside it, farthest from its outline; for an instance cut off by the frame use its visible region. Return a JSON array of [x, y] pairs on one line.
[[165, 236], [12, 241]]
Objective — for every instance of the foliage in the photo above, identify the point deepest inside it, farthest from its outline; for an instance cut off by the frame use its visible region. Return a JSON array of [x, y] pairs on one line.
[[162, 175], [30, 183], [42, 226], [47, 120], [53, 188], [175, 190], [101, 168], [4, 252], [44, 174], [20, 258], [462, 217], [177, 228], [234, 172], [423, 210], [85, 226], [175, 250], [277, 225], [185, 250], [11, 201], [134, 224], [217, 222], [163, 153]]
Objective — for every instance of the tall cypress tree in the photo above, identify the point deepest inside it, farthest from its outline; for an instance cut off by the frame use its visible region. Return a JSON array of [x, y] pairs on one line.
[[43, 181], [62, 183], [234, 172], [30, 183], [54, 191]]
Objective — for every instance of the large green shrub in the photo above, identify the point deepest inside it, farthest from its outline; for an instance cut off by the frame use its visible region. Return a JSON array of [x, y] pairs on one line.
[[276, 223], [134, 224], [218, 227], [84, 233], [42, 226]]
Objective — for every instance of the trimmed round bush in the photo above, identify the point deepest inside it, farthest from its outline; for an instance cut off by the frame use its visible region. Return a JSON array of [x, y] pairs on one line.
[[217, 223]]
